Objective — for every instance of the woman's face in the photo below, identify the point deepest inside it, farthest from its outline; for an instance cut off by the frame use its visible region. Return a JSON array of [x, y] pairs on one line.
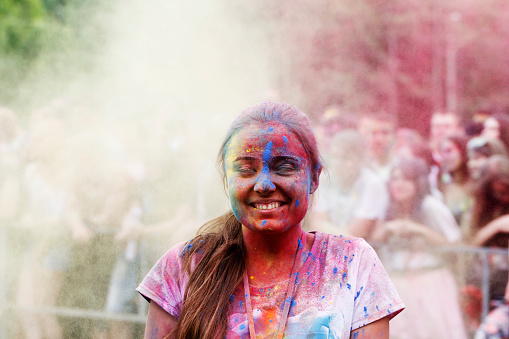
[[491, 129], [269, 177], [476, 161], [450, 156], [401, 188]]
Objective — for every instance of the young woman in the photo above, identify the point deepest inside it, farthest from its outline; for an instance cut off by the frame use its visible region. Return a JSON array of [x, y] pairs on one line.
[[254, 272], [490, 219], [415, 221], [455, 179]]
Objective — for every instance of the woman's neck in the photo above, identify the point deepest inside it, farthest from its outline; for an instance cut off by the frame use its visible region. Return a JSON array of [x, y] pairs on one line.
[[270, 257]]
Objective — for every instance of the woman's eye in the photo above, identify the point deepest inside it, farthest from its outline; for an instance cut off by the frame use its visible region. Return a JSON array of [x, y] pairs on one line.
[[246, 169], [286, 168]]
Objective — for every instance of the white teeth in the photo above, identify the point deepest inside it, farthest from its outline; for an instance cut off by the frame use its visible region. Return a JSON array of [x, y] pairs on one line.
[[270, 206]]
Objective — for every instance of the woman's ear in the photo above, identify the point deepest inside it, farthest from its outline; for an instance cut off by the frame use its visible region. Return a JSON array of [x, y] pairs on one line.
[[315, 179]]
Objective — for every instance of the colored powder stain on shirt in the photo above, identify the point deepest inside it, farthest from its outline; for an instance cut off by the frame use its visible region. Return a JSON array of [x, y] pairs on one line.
[[242, 326], [335, 270], [356, 335], [270, 129], [297, 203], [293, 303], [366, 311], [285, 139], [349, 286], [264, 222], [358, 293]]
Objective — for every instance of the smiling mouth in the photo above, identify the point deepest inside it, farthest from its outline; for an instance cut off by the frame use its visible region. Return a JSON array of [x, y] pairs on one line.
[[270, 206]]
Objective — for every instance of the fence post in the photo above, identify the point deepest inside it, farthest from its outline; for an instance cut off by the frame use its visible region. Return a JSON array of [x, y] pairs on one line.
[[485, 284]]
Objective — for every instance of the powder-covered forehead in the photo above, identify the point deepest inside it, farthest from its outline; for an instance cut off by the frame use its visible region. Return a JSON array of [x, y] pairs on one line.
[[264, 140]]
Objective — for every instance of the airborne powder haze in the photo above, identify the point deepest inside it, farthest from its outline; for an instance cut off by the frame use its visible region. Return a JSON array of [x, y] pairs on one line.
[[131, 141]]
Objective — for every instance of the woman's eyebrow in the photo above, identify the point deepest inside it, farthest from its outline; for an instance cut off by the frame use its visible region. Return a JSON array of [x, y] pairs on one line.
[[244, 158], [285, 157]]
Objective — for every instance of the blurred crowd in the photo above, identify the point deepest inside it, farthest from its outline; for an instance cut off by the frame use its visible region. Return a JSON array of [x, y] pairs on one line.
[[89, 204], [418, 200]]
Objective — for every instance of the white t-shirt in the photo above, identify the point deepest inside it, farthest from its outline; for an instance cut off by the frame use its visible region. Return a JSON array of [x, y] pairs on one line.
[[438, 217], [341, 286], [367, 199]]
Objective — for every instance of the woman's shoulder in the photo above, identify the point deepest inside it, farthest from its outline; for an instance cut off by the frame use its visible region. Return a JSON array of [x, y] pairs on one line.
[[340, 243], [178, 251]]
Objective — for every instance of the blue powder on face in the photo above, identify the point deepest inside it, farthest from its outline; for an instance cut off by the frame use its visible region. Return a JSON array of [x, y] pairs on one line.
[[267, 152]]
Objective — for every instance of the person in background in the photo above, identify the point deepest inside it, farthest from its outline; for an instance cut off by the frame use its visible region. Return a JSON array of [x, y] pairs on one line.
[[442, 123], [409, 143], [378, 130], [497, 127], [490, 219], [42, 224], [416, 221], [332, 121], [489, 227], [479, 150], [455, 178], [254, 272], [356, 198]]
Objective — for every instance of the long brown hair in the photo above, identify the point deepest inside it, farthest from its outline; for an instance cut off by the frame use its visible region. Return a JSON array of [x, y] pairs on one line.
[[487, 207], [219, 244]]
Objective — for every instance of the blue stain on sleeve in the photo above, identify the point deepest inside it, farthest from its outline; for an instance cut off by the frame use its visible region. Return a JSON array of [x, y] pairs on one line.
[[293, 303], [358, 293], [349, 286], [344, 274], [366, 311]]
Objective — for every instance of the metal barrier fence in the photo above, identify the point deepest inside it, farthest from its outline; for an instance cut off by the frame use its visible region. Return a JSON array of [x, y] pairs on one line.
[[139, 318]]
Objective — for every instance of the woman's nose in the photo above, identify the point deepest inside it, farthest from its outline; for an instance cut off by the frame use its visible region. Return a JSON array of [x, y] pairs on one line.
[[264, 183]]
